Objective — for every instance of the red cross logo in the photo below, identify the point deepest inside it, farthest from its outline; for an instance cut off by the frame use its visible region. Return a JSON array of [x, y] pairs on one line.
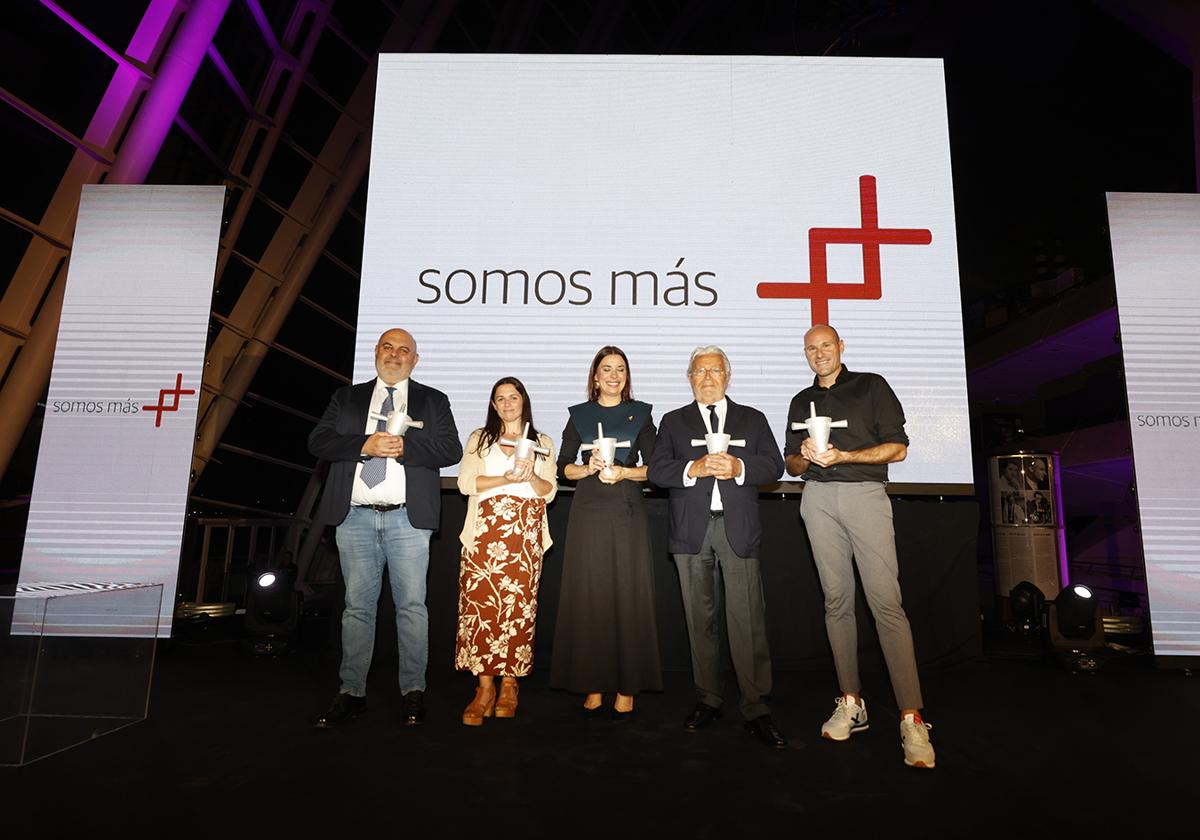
[[174, 393], [870, 236]]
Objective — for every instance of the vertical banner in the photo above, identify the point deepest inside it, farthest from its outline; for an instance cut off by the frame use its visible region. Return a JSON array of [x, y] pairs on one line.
[[110, 491], [1156, 259]]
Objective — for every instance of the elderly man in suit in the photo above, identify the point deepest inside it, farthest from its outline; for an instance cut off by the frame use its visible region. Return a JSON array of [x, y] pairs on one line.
[[714, 538], [383, 494]]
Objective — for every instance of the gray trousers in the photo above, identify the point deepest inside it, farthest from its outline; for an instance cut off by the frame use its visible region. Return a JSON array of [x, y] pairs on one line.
[[850, 523], [717, 581]]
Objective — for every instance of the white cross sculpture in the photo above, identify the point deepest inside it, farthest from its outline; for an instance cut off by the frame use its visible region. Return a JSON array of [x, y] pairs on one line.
[[818, 427], [525, 447], [607, 447], [398, 422]]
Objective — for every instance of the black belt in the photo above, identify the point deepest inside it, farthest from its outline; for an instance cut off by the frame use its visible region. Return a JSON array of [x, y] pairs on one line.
[[716, 514], [382, 508]]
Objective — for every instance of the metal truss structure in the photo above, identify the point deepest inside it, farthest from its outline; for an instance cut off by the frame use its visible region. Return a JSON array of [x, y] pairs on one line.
[[273, 99]]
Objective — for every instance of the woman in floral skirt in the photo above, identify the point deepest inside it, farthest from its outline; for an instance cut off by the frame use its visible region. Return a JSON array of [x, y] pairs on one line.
[[505, 534]]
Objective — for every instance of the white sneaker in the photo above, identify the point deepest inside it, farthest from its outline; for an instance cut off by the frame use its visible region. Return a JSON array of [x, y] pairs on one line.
[[914, 737], [848, 717]]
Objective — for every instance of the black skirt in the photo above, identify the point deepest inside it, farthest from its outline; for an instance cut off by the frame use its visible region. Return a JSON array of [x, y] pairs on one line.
[[606, 638]]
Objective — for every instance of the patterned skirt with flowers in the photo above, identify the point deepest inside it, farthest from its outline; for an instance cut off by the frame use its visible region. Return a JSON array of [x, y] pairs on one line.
[[498, 586]]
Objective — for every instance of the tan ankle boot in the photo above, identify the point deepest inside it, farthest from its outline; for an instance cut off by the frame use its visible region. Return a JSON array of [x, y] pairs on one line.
[[482, 706], [506, 706]]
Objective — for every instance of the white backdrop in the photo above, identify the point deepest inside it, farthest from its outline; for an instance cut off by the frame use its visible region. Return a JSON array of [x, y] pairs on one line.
[[110, 491], [1156, 258], [706, 175]]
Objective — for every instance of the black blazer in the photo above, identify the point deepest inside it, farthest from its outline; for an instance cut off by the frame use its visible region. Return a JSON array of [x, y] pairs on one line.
[[689, 505], [339, 438]]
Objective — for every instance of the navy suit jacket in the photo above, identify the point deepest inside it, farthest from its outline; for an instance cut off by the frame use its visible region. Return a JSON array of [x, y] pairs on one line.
[[339, 438], [689, 506]]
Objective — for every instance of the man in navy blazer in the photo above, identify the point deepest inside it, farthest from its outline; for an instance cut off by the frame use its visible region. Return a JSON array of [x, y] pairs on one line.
[[384, 495], [714, 537]]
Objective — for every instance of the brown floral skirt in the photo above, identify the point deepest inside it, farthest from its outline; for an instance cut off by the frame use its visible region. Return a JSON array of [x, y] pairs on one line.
[[497, 588]]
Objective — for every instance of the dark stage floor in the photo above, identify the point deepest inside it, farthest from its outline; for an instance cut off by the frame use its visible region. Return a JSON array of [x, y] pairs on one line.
[[1025, 749]]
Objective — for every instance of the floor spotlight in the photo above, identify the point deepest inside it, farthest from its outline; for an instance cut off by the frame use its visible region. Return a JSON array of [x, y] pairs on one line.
[[1076, 635], [273, 610], [1027, 604], [1076, 612]]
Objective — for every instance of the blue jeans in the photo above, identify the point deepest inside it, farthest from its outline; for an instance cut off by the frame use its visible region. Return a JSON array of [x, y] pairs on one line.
[[367, 541]]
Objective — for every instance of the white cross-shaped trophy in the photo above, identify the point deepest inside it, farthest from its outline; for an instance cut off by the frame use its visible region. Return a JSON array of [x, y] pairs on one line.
[[398, 422], [525, 447], [718, 443], [818, 427], [607, 447]]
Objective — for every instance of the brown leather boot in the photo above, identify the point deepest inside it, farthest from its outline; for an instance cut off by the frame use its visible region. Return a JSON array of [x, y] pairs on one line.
[[482, 706], [506, 705]]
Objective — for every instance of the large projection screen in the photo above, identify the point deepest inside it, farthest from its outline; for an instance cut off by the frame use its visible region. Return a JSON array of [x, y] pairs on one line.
[[524, 211], [1156, 259]]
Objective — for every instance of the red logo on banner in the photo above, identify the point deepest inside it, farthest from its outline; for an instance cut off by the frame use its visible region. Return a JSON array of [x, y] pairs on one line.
[[174, 393], [870, 236]]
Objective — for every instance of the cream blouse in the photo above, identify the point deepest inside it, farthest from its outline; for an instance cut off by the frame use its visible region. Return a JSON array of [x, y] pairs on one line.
[[474, 465]]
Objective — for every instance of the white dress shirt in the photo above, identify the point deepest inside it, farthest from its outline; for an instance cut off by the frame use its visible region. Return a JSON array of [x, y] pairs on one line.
[[390, 491], [690, 481]]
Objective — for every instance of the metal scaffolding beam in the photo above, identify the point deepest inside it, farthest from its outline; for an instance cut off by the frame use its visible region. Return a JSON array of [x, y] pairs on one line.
[[264, 304], [32, 303]]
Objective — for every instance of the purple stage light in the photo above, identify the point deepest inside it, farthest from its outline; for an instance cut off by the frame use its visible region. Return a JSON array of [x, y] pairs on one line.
[[175, 76], [1064, 574]]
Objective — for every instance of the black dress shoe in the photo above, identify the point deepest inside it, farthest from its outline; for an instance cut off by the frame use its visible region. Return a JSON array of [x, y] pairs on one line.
[[765, 730], [412, 708], [343, 707], [701, 717], [594, 714], [623, 717]]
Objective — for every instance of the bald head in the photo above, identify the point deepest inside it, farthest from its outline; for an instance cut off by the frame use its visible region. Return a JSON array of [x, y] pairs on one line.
[[819, 327], [823, 349], [395, 355]]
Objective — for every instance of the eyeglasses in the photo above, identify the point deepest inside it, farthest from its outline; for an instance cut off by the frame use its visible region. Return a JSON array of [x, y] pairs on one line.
[[700, 373]]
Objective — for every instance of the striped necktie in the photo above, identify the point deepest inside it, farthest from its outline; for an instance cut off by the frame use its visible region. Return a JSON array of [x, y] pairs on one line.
[[374, 470]]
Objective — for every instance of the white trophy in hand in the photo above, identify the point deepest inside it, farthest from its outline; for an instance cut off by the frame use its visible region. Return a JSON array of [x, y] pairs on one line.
[[607, 448], [718, 443], [525, 447], [398, 422], [818, 427]]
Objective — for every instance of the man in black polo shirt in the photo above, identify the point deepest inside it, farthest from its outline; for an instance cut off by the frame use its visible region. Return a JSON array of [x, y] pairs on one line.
[[848, 517]]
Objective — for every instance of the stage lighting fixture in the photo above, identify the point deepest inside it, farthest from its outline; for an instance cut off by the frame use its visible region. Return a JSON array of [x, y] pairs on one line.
[[273, 610], [1076, 635], [1075, 609], [1027, 602]]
